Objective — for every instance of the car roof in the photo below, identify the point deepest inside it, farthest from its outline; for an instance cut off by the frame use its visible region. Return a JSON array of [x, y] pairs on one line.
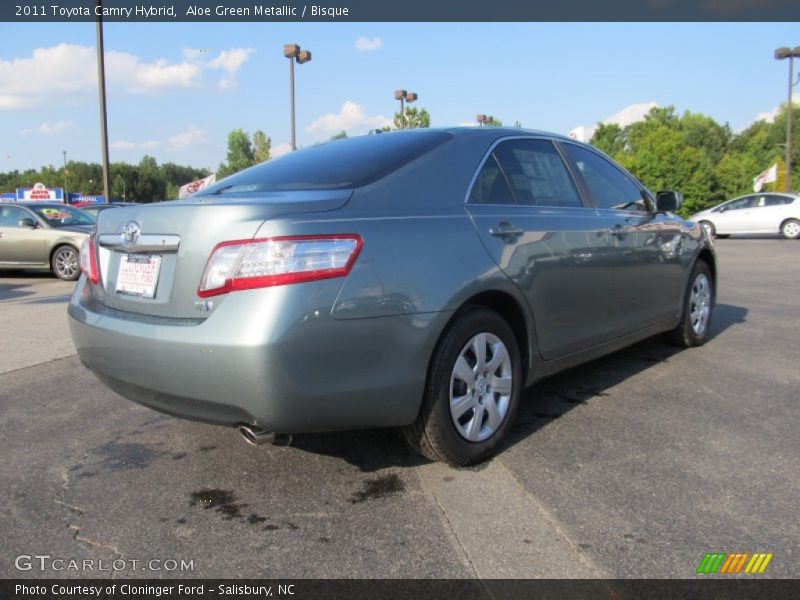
[[32, 203]]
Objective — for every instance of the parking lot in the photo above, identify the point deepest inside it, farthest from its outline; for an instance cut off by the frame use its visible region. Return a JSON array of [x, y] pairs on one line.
[[634, 465]]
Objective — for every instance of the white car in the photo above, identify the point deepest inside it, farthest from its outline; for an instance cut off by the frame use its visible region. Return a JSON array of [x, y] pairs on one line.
[[755, 213]]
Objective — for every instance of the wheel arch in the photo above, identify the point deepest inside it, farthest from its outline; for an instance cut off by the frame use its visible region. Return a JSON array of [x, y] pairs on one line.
[[786, 220], [508, 307], [707, 256]]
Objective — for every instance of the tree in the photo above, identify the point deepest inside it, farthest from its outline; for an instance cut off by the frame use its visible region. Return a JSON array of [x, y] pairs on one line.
[[261, 147], [415, 118], [492, 122], [339, 136], [609, 138], [240, 154]]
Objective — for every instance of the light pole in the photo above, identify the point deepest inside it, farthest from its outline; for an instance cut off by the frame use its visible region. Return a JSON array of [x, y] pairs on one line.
[[66, 194], [294, 53], [404, 97], [101, 83], [791, 54]]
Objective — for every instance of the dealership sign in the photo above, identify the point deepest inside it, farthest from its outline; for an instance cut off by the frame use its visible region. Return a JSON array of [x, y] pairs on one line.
[[39, 191]]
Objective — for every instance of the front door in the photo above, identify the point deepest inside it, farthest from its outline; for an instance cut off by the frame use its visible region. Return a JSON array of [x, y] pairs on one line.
[[19, 244], [646, 246]]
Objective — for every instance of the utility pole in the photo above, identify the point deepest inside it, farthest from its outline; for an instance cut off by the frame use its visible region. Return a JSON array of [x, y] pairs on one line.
[[101, 83]]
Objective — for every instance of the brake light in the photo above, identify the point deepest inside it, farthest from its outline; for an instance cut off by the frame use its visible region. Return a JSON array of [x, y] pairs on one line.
[[88, 259], [249, 264]]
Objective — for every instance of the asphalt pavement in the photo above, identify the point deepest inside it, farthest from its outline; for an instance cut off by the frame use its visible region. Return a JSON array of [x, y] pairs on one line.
[[634, 465]]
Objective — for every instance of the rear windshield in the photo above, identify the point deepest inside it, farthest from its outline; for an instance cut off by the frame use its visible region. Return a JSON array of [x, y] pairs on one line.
[[338, 164]]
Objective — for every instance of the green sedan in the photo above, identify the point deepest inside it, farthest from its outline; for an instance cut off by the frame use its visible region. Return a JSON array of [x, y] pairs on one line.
[[43, 235]]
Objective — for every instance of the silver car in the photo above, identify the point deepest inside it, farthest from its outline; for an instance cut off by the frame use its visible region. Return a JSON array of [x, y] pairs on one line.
[[771, 212], [43, 235], [418, 279]]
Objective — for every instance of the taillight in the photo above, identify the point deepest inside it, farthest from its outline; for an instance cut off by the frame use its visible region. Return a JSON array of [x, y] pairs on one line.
[[89, 260], [248, 264]]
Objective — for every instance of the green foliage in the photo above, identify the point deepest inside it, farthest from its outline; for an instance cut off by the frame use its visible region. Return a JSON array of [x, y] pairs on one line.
[[240, 154], [146, 182], [415, 118], [492, 122], [262, 145], [695, 155], [342, 135]]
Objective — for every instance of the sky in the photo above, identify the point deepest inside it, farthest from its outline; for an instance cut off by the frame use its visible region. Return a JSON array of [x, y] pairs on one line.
[[175, 90]]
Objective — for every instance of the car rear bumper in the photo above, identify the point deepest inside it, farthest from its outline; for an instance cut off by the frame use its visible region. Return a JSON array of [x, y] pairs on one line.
[[295, 371]]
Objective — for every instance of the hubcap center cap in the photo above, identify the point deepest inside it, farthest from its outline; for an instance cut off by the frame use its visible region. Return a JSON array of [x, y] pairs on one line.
[[481, 386]]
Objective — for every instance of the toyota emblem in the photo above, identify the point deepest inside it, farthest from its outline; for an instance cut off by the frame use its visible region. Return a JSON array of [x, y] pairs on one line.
[[130, 234]]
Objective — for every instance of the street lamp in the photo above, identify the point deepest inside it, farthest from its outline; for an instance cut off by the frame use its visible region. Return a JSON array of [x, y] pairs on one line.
[[66, 194], [791, 54], [484, 120], [404, 97], [294, 53], [101, 85]]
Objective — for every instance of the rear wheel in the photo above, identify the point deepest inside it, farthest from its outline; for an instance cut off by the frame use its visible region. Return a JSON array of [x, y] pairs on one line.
[[65, 263], [472, 392], [698, 306], [791, 229]]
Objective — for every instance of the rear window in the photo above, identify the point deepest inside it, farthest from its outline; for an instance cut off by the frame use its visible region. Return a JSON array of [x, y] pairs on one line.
[[338, 164]]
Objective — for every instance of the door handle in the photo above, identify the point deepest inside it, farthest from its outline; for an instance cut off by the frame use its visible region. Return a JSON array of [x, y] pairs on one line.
[[506, 230], [618, 231]]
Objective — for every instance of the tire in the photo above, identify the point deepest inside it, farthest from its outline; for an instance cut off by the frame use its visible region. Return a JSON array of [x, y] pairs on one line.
[[791, 229], [439, 434], [698, 308], [65, 263], [709, 227]]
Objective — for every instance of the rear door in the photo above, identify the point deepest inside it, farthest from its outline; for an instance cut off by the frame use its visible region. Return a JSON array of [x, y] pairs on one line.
[[532, 220], [646, 246]]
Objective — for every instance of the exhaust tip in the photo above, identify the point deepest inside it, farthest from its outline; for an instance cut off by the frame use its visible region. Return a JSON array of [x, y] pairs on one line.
[[256, 436]]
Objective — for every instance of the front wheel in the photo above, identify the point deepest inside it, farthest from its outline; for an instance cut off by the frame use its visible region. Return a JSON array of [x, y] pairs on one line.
[[791, 229], [472, 393], [65, 263], [698, 306]]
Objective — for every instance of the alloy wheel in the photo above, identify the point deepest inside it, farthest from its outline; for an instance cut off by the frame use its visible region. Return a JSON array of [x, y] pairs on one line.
[[700, 303], [480, 387], [65, 263]]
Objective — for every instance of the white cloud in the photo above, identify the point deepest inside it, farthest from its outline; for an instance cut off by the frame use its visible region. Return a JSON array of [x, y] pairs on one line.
[[280, 149], [365, 44], [71, 69], [623, 118], [230, 60], [769, 116], [351, 118], [48, 128], [192, 136]]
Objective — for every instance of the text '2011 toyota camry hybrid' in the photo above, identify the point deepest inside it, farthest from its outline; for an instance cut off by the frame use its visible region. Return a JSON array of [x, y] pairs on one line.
[[418, 279]]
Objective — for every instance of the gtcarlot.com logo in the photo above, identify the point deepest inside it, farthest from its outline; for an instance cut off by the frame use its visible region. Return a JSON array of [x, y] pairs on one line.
[[734, 563], [46, 562]]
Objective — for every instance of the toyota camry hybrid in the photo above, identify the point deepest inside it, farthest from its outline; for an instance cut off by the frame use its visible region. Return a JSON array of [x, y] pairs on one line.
[[417, 279]]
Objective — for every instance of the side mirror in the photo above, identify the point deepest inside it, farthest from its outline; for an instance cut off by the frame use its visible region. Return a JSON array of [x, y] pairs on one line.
[[668, 201], [27, 222]]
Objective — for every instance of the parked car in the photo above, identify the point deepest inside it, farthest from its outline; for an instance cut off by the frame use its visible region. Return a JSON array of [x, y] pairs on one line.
[[417, 279], [771, 212], [43, 235]]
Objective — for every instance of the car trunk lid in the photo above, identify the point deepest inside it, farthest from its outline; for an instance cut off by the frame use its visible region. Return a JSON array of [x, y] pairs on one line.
[[151, 257]]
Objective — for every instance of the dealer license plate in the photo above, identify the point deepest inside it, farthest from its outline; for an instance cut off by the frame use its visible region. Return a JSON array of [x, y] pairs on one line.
[[138, 275]]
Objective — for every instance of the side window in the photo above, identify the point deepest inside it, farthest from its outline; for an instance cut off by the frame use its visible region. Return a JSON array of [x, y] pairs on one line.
[[491, 186], [609, 186], [740, 203], [778, 200], [10, 216], [537, 174]]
